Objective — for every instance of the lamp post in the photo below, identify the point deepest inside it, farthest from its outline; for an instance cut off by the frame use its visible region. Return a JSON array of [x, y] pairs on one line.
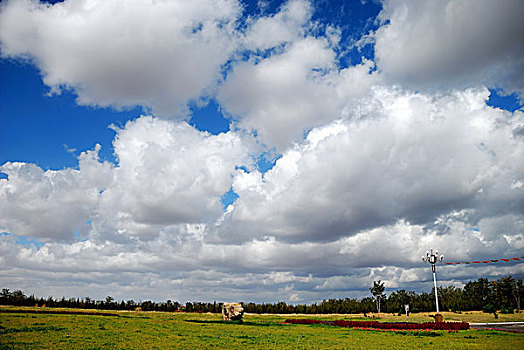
[[433, 258]]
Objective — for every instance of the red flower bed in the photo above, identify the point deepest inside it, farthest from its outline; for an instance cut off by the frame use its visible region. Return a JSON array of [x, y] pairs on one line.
[[401, 330], [448, 326]]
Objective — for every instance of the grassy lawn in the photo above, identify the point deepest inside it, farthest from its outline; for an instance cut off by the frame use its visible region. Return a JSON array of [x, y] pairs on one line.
[[140, 330]]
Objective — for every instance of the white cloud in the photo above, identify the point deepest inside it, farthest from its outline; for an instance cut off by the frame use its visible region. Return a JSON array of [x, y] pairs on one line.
[[287, 25], [284, 95], [277, 97], [161, 55], [411, 156], [168, 174], [157, 54], [266, 270], [383, 174], [452, 43], [297, 85], [52, 204]]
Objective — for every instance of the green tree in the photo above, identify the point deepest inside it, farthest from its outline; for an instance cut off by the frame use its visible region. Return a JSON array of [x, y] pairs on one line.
[[503, 292], [517, 292], [5, 296], [378, 292], [477, 293], [18, 298], [451, 298], [110, 302], [398, 299], [367, 304]]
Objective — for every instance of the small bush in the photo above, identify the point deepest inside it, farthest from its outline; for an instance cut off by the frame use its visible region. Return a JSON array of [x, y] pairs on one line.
[[509, 310], [489, 309]]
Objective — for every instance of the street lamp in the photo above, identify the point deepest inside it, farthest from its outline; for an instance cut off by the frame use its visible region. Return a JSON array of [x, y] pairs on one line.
[[433, 258]]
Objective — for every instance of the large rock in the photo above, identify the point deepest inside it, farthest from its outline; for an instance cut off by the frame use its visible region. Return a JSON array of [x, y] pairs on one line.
[[232, 311]]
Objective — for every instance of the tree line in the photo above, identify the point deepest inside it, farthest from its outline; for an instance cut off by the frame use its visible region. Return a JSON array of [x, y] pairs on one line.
[[503, 294]]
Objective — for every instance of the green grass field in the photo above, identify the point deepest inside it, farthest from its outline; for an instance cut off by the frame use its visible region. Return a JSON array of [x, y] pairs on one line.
[[150, 330]]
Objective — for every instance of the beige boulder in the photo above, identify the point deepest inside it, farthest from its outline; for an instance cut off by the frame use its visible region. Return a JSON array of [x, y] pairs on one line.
[[232, 311]]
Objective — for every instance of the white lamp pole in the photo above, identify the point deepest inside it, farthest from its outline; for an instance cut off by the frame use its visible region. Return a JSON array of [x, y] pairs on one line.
[[433, 258]]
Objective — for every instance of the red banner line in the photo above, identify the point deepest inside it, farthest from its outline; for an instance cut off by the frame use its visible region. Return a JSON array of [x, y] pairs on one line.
[[483, 261]]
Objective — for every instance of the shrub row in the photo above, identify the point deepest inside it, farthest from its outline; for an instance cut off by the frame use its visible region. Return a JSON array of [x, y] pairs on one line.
[[454, 326]]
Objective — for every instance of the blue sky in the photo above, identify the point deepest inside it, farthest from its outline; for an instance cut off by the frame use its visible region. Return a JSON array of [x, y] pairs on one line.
[[40, 129], [306, 138]]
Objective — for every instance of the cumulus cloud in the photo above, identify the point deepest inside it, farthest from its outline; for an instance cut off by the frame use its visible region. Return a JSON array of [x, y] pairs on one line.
[[52, 204], [452, 43], [286, 94], [413, 156], [161, 55], [277, 86], [262, 270], [168, 173], [359, 200], [156, 54], [287, 25], [396, 158], [297, 86]]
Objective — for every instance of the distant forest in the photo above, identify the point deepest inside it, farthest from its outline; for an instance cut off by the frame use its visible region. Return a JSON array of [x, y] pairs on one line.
[[504, 294]]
